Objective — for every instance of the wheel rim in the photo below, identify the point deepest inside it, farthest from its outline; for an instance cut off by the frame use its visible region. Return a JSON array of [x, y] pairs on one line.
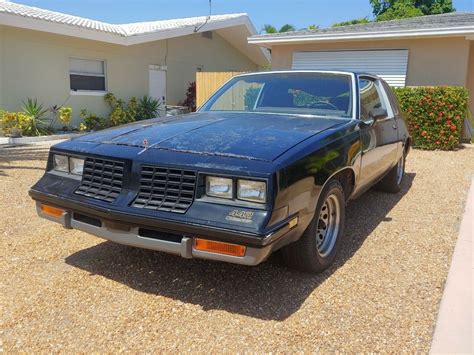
[[328, 225], [400, 169]]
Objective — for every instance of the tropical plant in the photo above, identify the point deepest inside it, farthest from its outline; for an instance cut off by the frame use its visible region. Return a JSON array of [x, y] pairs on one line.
[[313, 27], [91, 122], [272, 29], [148, 107], [269, 29], [287, 28], [37, 124], [65, 114], [121, 112], [14, 123], [190, 100]]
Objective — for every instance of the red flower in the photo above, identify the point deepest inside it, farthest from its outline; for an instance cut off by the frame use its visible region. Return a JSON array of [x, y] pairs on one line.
[[424, 133], [438, 142]]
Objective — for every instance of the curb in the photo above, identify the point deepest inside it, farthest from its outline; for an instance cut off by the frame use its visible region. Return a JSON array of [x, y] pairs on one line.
[[40, 139], [454, 327]]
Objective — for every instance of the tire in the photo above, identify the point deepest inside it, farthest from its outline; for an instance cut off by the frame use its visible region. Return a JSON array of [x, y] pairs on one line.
[[315, 252], [392, 182]]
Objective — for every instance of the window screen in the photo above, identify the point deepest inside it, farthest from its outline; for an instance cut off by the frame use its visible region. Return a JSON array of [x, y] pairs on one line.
[[85, 74]]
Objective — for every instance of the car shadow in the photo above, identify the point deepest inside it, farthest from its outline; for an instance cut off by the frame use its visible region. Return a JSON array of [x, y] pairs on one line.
[[269, 291]]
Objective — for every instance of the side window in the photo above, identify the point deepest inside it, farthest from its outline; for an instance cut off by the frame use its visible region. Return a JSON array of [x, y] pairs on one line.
[[369, 97]]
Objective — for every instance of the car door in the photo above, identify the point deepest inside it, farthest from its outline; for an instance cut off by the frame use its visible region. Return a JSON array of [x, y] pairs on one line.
[[379, 136]]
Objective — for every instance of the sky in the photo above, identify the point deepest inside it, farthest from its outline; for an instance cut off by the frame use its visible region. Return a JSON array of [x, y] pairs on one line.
[[300, 13]]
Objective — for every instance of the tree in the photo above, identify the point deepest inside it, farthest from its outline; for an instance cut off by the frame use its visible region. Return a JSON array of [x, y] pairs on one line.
[[394, 9], [399, 10], [356, 21], [287, 28], [313, 27], [269, 29], [272, 29]]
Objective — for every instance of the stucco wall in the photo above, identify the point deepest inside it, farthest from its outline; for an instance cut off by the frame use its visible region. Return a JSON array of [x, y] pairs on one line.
[[470, 77], [36, 64], [434, 61]]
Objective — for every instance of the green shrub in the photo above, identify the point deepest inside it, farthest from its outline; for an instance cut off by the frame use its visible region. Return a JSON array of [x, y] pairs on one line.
[[14, 123], [121, 113], [91, 122], [38, 118], [148, 107], [434, 115], [64, 115]]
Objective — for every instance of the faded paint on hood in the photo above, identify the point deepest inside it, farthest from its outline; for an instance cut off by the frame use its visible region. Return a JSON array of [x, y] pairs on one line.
[[242, 135]]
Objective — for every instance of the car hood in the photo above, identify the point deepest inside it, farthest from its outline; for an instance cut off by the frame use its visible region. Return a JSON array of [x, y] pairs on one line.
[[258, 136]]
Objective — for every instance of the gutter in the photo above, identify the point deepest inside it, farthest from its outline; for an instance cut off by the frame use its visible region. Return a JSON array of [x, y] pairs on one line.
[[267, 41]]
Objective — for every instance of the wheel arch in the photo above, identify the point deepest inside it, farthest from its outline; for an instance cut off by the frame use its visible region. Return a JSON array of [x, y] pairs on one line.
[[346, 177]]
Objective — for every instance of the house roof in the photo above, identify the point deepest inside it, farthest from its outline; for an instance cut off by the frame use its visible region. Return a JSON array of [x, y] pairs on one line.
[[235, 28], [450, 24]]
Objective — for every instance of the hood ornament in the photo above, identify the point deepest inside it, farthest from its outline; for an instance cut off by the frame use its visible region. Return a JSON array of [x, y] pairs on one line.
[[146, 146]]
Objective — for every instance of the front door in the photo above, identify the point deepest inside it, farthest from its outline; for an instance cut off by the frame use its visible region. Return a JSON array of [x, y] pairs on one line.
[[379, 139], [157, 85]]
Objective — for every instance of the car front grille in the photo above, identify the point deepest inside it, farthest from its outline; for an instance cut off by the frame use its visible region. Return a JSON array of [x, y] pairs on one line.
[[101, 179], [165, 189]]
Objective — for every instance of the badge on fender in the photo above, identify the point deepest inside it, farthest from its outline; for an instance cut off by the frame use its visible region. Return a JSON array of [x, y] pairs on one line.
[[240, 216]]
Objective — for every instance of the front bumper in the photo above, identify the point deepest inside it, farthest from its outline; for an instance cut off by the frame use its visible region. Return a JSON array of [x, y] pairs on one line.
[[118, 230]]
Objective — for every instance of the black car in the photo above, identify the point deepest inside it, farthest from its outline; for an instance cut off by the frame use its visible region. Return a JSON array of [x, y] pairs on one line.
[[267, 163]]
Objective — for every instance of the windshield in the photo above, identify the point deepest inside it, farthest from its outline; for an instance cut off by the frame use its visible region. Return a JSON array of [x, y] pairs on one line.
[[321, 94]]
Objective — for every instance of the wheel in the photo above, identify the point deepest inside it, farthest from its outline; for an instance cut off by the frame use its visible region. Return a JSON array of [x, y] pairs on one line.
[[316, 249], [392, 182]]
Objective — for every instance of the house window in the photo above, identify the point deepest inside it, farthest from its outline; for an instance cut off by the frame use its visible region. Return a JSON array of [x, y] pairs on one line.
[[87, 75]]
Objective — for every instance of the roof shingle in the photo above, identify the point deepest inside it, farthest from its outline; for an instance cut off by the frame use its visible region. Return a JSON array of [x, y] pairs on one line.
[[449, 20]]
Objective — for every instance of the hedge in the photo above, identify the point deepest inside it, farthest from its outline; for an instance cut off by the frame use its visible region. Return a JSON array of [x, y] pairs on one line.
[[434, 115]]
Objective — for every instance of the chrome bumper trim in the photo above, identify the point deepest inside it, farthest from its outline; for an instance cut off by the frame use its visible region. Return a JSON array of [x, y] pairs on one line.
[[253, 256]]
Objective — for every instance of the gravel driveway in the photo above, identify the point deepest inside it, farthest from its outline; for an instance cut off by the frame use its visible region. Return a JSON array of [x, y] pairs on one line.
[[63, 290]]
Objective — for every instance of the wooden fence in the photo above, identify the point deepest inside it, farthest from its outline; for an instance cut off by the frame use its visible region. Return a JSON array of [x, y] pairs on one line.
[[208, 82]]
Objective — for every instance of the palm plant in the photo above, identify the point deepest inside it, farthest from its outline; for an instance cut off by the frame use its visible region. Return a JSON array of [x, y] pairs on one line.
[[148, 107], [287, 28], [269, 29], [272, 29], [37, 115]]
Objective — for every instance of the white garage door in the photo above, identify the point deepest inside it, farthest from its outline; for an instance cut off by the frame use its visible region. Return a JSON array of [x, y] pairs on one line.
[[391, 65]]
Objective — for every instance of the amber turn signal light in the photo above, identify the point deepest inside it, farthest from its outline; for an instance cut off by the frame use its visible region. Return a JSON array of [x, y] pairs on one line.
[[52, 211], [219, 247]]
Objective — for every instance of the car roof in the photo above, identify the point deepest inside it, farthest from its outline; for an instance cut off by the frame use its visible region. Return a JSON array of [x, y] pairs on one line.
[[346, 72]]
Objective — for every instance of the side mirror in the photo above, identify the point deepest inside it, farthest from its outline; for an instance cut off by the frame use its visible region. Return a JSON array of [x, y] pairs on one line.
[[378, 113]]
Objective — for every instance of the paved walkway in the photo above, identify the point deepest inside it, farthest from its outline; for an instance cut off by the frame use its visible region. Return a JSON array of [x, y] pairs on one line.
[[454, 328]]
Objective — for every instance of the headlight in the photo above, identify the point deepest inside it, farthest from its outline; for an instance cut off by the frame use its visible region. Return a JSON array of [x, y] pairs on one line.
[[254, 191], [76, 165], [61, 163], [219, 187]]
